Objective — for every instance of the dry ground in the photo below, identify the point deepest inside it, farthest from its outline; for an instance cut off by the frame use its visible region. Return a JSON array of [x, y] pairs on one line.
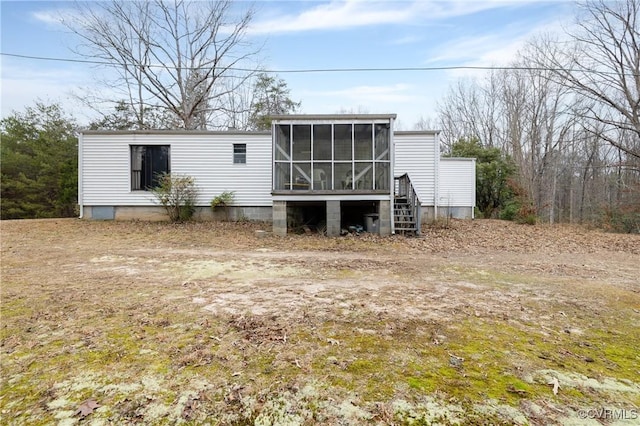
[[485, 322]]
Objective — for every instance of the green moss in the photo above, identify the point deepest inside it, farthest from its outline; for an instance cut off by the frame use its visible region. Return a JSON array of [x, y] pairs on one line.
[[423, 384], [18, 307], [263, 364], [340, 381], [362, 366]]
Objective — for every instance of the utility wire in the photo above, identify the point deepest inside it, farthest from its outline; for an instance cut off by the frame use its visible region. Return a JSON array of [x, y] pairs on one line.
[[328, 70]]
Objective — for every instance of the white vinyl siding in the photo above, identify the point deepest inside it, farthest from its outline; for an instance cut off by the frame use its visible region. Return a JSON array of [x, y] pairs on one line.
[[417, 154], [457, 182], [106, 167]]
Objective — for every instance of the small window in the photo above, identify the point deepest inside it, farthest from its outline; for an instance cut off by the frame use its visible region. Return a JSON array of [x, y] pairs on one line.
[[148, 162], [239, 153]]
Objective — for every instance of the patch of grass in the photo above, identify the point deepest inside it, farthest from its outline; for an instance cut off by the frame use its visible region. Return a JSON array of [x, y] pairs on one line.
[[423, 384], [101, 312]]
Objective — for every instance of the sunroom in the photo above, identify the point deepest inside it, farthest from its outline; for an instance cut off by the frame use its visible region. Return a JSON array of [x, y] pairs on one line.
[[337, 160]]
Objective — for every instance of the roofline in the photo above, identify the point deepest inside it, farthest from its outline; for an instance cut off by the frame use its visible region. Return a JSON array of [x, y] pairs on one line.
[[417, 132], [251, 132], [333, 117], [174, 132], [459, 158]]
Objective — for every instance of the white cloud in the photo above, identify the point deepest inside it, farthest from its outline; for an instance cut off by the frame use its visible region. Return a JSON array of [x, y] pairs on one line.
[[477, 50], [407, 95], [367, 95], [498, 48], [333, 15], [409, 39], [22, 86], [47, 16], [54, 17], [357, 13]]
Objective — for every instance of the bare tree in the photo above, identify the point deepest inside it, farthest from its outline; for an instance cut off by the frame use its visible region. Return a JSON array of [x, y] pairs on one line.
[[603, 65], [471, 109], [568, 115], [233, 109], [178, 55]]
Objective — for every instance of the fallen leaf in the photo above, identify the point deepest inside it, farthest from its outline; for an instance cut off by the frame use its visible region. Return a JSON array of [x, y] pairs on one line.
[[87, 407]]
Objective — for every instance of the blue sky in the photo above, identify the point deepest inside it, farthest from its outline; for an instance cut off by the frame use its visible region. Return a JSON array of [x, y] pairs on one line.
[[312, 34]]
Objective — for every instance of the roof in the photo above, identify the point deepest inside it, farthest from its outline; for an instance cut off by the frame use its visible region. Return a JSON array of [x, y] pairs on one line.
[[174, 132], [326, 117], [416, 132], [458, 158]]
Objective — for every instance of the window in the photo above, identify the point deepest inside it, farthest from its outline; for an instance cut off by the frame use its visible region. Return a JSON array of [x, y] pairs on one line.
[[147, 163], [332, 157], [239, 153], [301, 143]]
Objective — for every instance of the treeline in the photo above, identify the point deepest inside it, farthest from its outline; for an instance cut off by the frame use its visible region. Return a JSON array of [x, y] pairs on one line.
[[567, 116], [39, 164], [40, 147], [556, 135]]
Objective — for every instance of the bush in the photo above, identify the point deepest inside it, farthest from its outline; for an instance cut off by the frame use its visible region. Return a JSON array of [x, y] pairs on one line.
[[622, 220], [494, 174], [527, 215], [518, 208], [510, 210], [178, 195], [518, 212], [223, 200]]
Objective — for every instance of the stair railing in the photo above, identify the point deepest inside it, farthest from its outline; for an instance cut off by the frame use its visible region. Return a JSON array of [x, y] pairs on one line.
[[403, 188]]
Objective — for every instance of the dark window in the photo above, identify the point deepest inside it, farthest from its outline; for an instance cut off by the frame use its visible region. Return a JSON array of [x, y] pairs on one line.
[[239, 153], [301, 142], [322, 142], [148, 162], [342, 142]]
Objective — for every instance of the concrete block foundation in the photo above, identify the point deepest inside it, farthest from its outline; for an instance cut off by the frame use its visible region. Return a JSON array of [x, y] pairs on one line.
[[280, 218], [333, 218], [157, 213], [384, 215]]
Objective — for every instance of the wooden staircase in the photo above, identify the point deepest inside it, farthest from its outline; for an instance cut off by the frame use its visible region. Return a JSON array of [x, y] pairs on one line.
[[406, 207]]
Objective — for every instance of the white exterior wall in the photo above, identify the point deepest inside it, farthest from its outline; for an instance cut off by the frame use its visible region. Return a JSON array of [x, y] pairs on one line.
[[417, 153], [457, 182], [105, 169]]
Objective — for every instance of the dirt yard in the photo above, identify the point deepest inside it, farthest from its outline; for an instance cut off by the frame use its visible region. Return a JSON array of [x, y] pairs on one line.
[[481, 323]]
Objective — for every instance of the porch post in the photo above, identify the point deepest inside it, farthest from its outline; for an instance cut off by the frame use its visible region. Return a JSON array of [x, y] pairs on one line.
[[333, 218], [384, 217], [280, 218]]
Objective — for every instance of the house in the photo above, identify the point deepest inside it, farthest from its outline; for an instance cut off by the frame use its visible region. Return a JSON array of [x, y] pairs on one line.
[[328, 171]]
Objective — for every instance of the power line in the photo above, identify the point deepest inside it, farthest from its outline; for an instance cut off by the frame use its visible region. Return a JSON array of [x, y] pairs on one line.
[[328, 70]]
